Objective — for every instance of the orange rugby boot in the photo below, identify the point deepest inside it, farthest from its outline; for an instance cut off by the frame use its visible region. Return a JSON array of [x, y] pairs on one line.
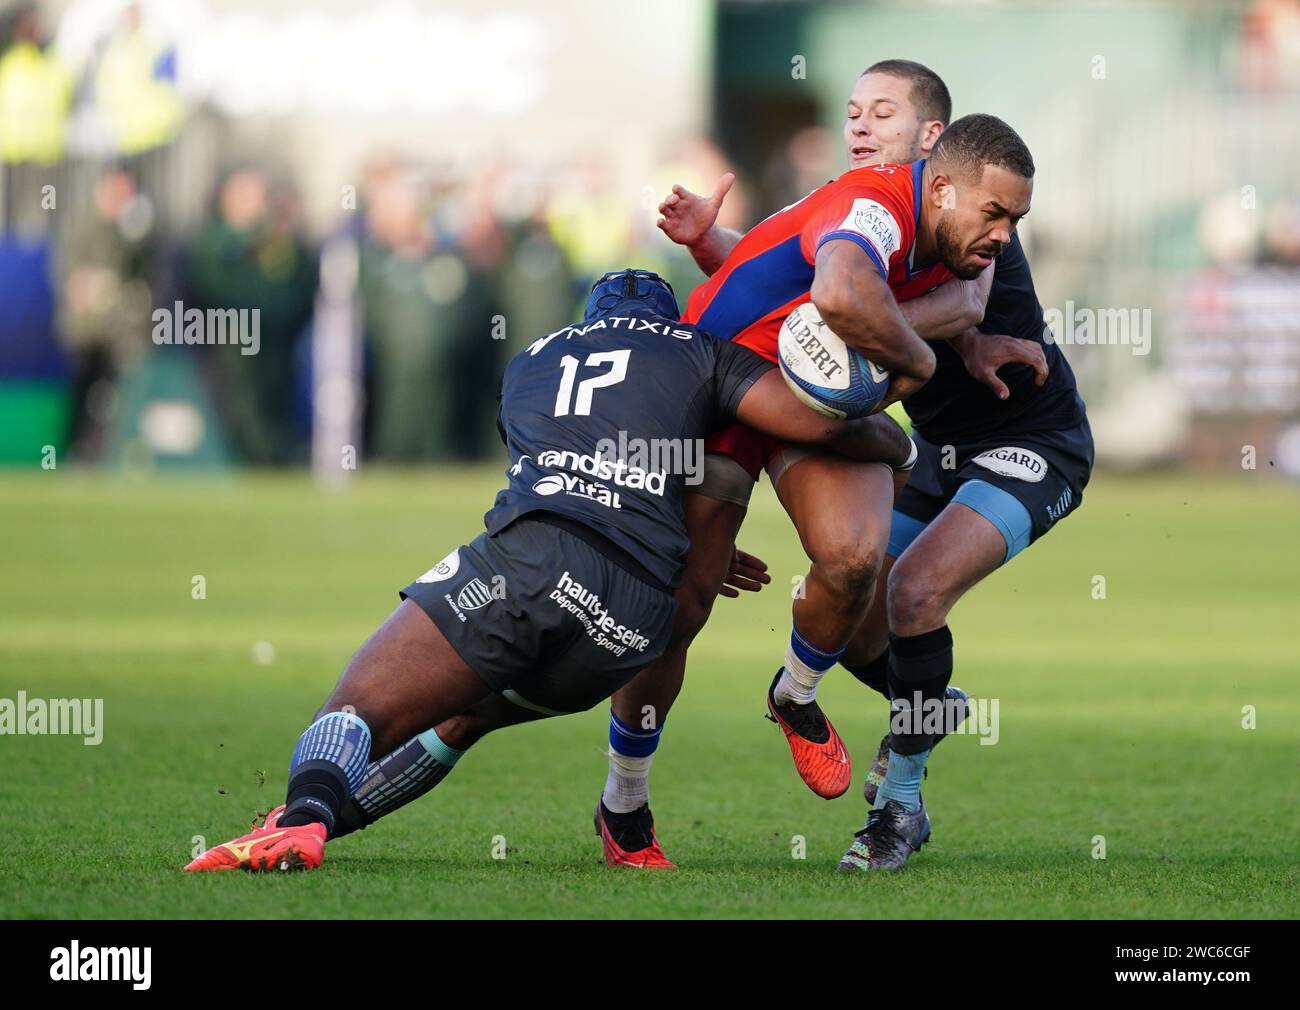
[[818, 752], [633, 829], [267, 848]]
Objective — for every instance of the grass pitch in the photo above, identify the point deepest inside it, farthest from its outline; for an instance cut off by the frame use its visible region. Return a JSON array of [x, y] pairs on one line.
[[1119, 717]]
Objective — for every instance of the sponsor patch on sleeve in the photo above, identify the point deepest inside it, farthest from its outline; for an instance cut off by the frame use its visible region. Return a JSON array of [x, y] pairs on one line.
[[873, 222]]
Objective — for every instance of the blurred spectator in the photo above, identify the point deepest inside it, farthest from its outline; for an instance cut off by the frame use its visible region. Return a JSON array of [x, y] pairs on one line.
[[536, 289], [589, 221], [427, 305], [1282, 236], [251, 255], [104, 302], [478, 345], [1270, 46], [34, 97], [136, 87], [812, 158]]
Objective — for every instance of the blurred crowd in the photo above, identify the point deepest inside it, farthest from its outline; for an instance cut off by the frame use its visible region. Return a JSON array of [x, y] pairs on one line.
[[452, 274], [452, 277], [110, 212]]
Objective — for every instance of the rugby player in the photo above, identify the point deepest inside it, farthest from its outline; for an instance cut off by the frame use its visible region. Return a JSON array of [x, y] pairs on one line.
[[569, 592], [898, 232], [849, 247], [1003, 456]]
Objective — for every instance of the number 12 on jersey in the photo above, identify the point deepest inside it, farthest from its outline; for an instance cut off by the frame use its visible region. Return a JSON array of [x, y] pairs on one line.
[[564, 399]]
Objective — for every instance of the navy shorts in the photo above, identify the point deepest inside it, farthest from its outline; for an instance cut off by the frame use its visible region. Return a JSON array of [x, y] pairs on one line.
[[545, 618], [1023, 484]]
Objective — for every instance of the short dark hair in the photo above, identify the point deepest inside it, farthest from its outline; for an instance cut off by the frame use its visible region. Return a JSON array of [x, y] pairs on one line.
[[975, 141], [929, 93]]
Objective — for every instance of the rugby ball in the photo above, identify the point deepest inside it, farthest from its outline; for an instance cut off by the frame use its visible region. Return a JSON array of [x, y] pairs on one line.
[[825, 372]]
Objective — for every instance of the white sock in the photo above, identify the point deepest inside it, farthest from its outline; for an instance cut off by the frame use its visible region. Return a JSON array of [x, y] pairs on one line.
[[798, 683], [805, 665], [628, 785]]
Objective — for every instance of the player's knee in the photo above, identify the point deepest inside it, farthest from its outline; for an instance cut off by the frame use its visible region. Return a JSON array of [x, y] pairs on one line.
[[462, 731], [849, 571], [694, 604], [916, 603]]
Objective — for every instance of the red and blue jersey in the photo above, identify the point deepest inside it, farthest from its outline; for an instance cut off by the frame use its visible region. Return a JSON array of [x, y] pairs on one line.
[[770, 271]]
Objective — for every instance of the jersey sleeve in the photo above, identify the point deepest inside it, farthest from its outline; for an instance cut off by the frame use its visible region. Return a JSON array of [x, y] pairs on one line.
[[873, 217], [735, 369]]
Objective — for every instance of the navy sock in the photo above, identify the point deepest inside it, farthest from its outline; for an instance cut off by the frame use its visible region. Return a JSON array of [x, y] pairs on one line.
[[328, 766], [920, 667], [875, 673], [396, 779]]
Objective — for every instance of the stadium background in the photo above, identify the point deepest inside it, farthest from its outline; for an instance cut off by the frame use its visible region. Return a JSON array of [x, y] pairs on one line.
[[408, 193]]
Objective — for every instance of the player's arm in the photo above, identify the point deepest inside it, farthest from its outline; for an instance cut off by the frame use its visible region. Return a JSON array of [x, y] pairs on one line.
[[749, 389], [770, 407], [691, 220], [951, 309], [855, 301], [984, 354]]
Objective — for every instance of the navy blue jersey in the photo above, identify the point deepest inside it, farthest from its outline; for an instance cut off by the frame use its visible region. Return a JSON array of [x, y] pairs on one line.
[[603, 420], [956, 407]]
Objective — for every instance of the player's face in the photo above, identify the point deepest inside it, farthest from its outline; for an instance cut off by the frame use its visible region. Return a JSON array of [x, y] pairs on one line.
[[976, 218], [882, 126]]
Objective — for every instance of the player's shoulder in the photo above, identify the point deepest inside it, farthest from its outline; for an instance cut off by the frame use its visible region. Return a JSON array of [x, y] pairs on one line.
[[890, 180], [875, 191]]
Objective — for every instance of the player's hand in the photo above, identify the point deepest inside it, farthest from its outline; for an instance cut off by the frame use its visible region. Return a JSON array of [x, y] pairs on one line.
[[747, 572], [687, 217], [984, 353], [900, 386]]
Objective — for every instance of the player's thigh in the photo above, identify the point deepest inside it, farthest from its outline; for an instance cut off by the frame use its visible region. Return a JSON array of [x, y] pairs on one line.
[[574, 626], [486, 716], [405, 678], [510, 603], [954, 552], [840, 508]]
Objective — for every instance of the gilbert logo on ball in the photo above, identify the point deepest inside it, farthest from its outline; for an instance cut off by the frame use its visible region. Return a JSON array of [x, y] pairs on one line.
[[823, 371]]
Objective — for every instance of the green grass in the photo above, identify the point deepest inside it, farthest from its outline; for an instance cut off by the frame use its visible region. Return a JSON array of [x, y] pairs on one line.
[[1118, 717]]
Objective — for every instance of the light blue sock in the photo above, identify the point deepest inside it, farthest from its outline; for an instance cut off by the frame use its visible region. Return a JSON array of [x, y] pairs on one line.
[[440, 751], [903, 780]]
